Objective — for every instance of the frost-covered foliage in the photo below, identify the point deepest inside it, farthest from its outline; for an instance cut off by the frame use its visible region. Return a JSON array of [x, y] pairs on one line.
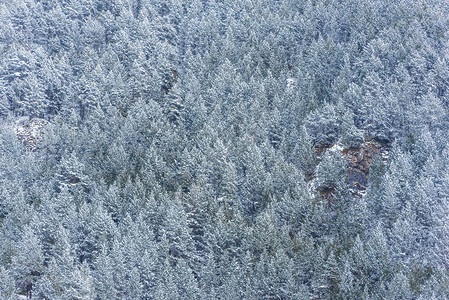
[[154, 149]]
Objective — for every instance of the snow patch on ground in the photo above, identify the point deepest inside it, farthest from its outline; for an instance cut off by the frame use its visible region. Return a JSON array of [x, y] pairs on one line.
[[385, 154], [291, 83], [336, 148]]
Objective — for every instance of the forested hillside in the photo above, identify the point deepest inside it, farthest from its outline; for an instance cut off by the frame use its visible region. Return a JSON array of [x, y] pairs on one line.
[[224, 149]]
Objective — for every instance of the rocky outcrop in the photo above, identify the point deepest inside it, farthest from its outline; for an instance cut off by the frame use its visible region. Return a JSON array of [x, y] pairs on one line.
[[29, 132], [358, 162]]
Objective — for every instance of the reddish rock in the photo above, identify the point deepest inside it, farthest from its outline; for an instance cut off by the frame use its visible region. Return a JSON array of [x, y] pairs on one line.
[[358, 162], [30, 132]]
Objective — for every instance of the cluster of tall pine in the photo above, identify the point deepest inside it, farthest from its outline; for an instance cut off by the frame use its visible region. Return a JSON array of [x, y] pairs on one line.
[[180, 157]]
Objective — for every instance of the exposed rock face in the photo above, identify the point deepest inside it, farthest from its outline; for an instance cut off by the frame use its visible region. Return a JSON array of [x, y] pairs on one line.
[[327, 196], [29, 132], [358, 161]]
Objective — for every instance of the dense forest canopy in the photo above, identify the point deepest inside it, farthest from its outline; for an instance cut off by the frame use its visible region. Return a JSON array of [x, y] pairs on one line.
[[224, 149]]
